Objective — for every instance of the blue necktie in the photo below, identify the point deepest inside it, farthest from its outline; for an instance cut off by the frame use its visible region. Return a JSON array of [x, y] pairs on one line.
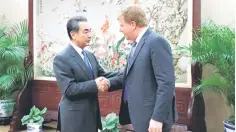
[[86, 61], [129, 61]]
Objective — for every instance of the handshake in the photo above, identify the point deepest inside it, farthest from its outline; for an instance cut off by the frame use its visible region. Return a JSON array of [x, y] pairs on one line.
[[102, 84]]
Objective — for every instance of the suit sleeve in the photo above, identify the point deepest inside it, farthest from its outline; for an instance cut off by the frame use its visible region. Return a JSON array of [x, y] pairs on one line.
[[162, 63], [69, 87], [116, 82]]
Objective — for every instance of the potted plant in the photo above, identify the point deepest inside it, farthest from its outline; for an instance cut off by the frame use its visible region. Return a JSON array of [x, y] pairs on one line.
[[215, 44], [110, 124], [15, 72], [34, 119]]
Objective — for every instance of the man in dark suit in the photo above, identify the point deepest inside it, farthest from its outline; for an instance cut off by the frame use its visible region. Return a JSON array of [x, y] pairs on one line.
[[148, 81], [76, 71]]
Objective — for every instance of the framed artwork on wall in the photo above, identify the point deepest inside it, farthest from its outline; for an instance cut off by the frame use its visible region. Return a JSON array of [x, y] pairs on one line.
[[171, 19]]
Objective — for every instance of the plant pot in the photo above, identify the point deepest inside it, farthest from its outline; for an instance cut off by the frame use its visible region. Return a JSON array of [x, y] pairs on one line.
[[34, 127], [228, 127], [6, 108]]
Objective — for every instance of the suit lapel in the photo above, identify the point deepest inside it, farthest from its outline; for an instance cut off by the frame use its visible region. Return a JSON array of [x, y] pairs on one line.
[[77, 58], [138, 48], [93, 63]]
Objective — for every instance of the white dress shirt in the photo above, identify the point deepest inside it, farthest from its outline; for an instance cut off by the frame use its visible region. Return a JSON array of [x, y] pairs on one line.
[[79, 51], [140, 36]]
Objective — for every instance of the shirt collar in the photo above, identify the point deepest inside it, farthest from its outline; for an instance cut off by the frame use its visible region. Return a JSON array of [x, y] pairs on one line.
[[141, 35], [77, 48]]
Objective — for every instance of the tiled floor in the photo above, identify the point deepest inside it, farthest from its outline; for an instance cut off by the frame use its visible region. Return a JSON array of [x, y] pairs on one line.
[[51, 128], [6, 129]]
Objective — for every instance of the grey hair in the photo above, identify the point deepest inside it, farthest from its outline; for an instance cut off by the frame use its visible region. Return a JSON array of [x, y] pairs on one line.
[[73, 24]]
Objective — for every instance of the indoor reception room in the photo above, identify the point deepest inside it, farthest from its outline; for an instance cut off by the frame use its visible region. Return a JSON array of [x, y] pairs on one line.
[[117, 65]]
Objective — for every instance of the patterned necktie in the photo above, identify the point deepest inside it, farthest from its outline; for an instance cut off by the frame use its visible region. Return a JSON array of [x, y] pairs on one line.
[[86, 61], [134, 44]]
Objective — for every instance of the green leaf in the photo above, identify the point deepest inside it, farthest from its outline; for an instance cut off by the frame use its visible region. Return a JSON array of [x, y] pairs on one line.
[[41, 120], [111, 121], [37, 112], [25, 119], [32, 110], [36, 118], [7, 82], [214, 83], [119, 43], [103, 124], [116, 130], [111, 117], [43, 111], [111, 126], [31, 121]]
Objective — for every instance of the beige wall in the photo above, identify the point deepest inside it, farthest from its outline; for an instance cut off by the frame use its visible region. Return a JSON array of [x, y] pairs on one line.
[[215, 109], [221, 12], [14, 10]]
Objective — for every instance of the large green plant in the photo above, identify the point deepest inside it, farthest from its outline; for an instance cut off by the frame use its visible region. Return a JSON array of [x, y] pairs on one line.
[[15, 71], [215, 44]]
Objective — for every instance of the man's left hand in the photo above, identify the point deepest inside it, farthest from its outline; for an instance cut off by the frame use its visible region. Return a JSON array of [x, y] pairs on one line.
[[155, 126]]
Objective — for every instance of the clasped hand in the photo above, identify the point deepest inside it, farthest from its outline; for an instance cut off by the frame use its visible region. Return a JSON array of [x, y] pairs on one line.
[[155, 126], [102, 84]]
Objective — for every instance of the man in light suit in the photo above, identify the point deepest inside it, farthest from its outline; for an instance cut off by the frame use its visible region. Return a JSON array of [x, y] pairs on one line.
[[148, 81], [76, 71]]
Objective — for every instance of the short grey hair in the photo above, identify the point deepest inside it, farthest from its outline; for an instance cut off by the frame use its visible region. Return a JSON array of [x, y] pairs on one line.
[[73, 24]]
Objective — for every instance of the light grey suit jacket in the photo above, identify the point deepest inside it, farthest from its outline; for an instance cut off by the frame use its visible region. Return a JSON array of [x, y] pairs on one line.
[[150, 83], [79, 107]]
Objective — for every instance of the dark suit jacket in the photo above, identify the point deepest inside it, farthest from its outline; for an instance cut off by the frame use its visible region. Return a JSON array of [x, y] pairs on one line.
[[79, 107], [150, 83]]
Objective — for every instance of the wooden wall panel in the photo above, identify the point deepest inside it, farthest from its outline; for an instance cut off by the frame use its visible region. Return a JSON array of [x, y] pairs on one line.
[[47, 94]]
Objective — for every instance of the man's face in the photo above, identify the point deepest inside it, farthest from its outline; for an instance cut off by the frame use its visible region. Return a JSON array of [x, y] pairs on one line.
[[127, 29], [83, 36]]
